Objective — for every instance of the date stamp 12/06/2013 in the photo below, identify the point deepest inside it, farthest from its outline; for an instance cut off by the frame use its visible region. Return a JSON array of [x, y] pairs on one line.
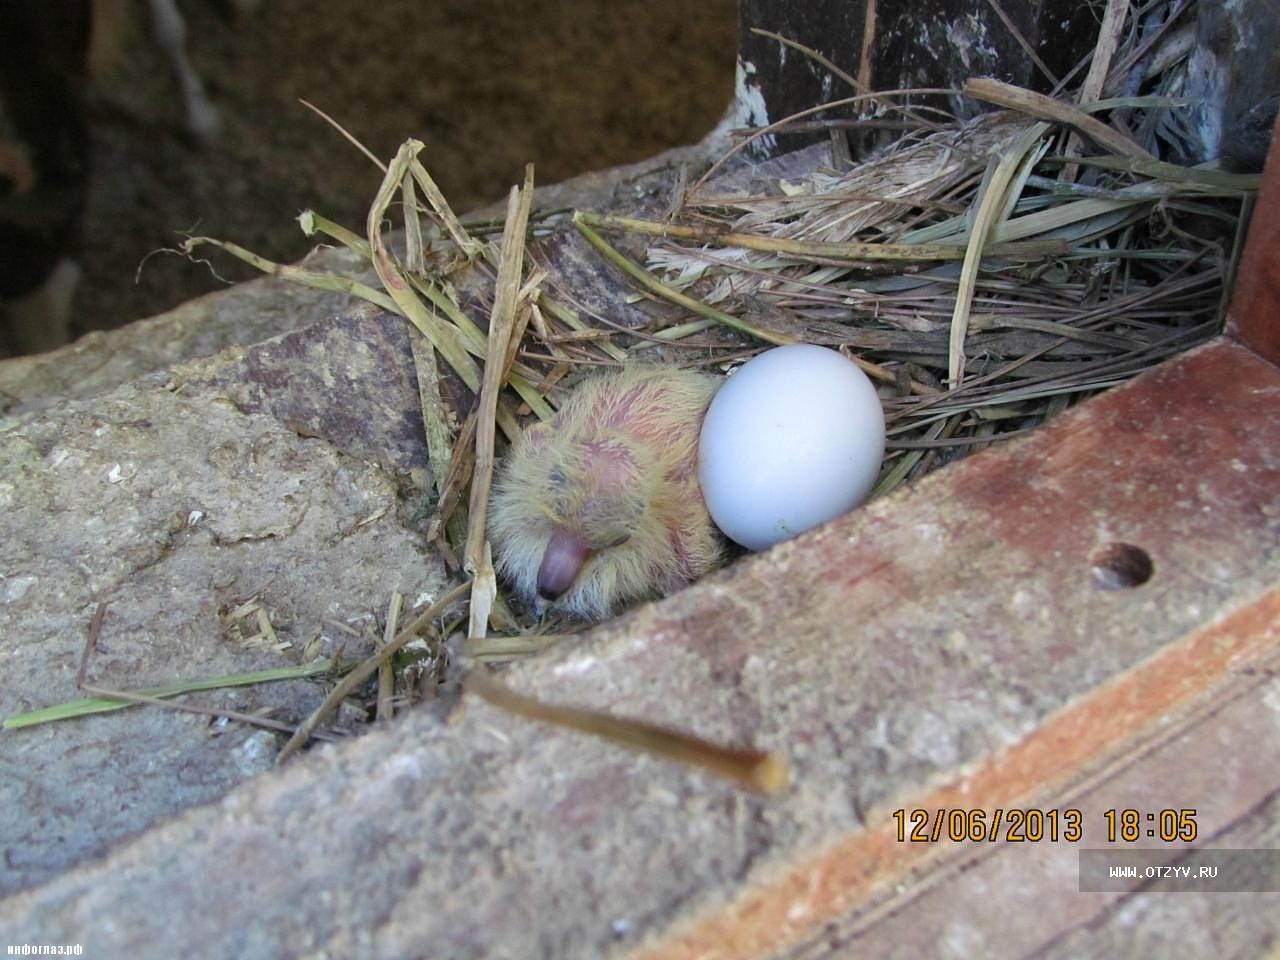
[[1120, 867], [1037, 825]]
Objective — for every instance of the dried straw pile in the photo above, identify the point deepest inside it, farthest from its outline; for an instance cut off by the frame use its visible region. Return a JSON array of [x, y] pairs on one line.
[[986, 278], [987, 273]]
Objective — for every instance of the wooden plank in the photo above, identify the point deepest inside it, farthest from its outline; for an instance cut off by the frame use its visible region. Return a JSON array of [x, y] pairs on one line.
[[1255, 306]]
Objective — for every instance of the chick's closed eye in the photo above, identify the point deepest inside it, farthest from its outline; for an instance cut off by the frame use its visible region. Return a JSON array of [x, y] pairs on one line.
[[601, 507]]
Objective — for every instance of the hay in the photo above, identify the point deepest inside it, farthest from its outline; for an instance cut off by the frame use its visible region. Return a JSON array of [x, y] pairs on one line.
[[991, 291], [987, 273]]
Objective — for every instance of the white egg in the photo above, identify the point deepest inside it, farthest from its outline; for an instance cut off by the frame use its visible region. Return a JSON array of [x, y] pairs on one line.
[[794, 438]]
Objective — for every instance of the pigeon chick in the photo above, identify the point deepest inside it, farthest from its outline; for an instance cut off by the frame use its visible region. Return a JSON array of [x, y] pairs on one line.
[[601, 506]]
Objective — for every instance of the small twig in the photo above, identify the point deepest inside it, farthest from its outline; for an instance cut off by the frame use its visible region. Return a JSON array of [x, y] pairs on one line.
[[508, 648], [304, 278], [1191, 177], [343, 131], [386, 678], [91, 705], [994, 204], [897, 473], [571, 319], [502, 319], [453, 226], [943, 441], [822, 126], [757, 770], [119, 698], [813, 55], [477, 558], [91, 643], [1046, 108], [435, 415], [455, 480], [446, 337], [951, 425], [1103, 51], [1027, 48], [312, 223]]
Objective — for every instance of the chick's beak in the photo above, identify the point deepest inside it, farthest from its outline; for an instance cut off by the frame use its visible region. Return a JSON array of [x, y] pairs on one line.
[[562, 561]]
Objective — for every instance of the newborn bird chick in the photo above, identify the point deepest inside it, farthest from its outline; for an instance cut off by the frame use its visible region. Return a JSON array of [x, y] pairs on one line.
[[602, 506]]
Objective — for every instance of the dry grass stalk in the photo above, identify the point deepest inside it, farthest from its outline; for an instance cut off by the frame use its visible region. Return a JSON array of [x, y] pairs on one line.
[[436, 417], [757, 770], [1109, 33], [386, 677], [994, 204], [502, 323], [1046, 108]]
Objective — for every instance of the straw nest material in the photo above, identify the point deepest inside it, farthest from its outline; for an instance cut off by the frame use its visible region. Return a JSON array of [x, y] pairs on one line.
[[986, 279], [987, 273]]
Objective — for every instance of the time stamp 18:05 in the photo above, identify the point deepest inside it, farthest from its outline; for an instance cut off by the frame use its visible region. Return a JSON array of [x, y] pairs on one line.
[[1034, 825]]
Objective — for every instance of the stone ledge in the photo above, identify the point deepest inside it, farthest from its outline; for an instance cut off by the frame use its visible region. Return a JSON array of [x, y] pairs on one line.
[[944, 647]]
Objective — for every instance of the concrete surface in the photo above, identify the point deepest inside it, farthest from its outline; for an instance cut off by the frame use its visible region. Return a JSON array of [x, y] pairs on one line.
[[946, 647], [176, 498], [265, 442]]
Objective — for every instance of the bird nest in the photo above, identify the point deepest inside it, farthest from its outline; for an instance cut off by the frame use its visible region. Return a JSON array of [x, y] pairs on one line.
[[986, 273], [982, 275]]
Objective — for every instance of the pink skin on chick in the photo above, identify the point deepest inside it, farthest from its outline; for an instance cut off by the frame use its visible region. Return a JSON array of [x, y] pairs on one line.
[[601, 506]]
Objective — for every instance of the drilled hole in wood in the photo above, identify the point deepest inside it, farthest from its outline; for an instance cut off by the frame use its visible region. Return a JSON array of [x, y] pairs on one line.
[[1119, 566]]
